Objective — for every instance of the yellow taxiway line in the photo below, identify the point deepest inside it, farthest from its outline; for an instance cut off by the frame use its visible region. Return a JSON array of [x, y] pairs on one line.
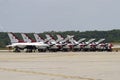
[[46, 74]]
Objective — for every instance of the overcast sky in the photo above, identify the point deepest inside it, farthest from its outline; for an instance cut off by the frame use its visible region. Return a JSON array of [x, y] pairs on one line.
[[59, 15]]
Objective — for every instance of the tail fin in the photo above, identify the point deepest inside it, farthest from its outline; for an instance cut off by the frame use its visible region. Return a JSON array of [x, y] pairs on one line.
[[91, 40], [26, 38], [13, 38], [60, 38], [69, 37], [38, 38], [73, 41], [49, 37], [99, 41], [81, 40]]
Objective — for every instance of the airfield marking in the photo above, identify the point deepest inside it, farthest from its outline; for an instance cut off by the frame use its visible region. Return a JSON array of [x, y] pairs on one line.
[[46, 74]]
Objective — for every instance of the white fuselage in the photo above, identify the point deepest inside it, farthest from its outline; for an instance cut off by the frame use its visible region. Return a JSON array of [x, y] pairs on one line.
[[23, 45]]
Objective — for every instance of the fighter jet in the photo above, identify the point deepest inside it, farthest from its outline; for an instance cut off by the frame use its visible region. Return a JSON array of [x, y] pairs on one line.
[[78, 45], [66, 45], [17, 44], [40, 46]]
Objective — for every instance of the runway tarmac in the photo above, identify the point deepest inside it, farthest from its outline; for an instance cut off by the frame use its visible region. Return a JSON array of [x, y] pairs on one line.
[[60, 66]]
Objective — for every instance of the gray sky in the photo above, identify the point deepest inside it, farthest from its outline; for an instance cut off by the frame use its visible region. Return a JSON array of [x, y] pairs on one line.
[[59, 15]]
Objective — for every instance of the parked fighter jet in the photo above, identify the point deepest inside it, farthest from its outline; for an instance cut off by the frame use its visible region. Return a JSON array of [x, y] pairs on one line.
[[16, 43], [53, 44], [65, 43], [78, 45], [88, 45], [99, 45], [40, 46]]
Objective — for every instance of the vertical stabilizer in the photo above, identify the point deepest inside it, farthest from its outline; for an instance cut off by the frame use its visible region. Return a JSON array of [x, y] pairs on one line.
[[38, 38], [69, 37], [101, 40], [60, 38], [91, 40], [81, 40], [49, 37], [13, 38], [26, 38]]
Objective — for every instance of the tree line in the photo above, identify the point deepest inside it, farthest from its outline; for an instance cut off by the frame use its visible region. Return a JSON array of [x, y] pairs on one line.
[[110, 36]]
